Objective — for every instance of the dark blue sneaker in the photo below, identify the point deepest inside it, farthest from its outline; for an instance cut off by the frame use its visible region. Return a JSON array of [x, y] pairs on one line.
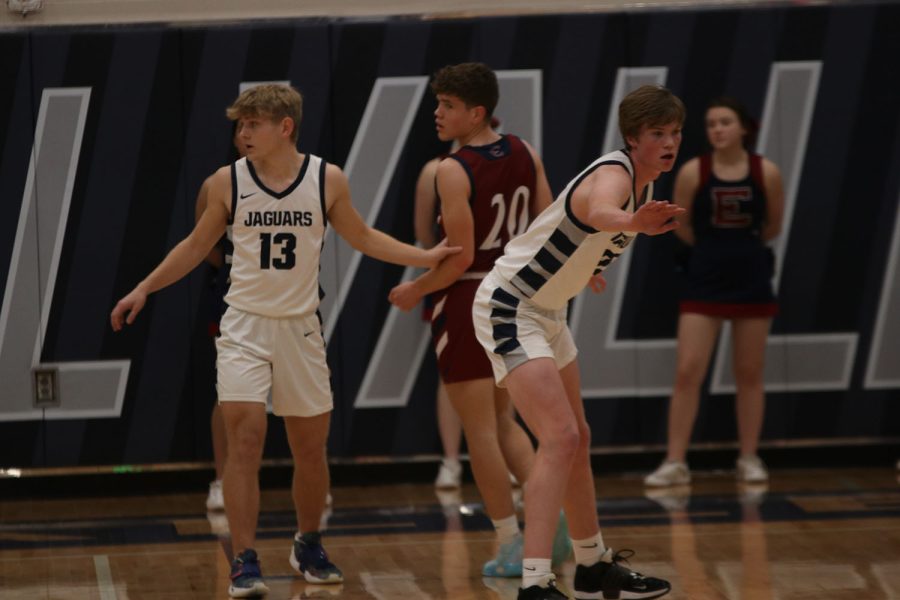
[[309, 558], [246, 577], [608, 580]]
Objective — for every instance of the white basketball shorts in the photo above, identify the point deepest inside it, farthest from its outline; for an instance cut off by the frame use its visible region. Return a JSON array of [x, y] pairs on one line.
[[513, 330], [256, 355]]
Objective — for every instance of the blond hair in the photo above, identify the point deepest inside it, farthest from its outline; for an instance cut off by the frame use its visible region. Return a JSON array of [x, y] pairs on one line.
[[651, 106], [273, 100]]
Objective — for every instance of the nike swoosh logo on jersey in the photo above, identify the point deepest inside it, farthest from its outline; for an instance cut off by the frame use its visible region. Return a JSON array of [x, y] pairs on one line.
[[530, 568], [247, 195], [308, 333], [594, 545]]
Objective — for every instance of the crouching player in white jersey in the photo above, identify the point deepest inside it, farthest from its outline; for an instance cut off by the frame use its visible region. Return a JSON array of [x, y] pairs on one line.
[[273, 205], [520, 319]]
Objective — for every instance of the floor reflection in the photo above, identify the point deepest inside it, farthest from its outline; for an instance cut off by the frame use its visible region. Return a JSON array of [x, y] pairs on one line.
[[828, 534], [736, 562], [455, 567]]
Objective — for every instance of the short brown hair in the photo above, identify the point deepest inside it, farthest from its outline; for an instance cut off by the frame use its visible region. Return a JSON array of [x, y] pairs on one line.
[[273, 100], [651, 106], [473, 83]]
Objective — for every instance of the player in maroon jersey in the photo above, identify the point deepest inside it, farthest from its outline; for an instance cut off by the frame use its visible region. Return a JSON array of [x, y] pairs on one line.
[[489, 191]]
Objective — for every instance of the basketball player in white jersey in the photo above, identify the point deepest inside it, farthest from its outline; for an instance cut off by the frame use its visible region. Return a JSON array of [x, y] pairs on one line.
[[274, 205], [520, 320]]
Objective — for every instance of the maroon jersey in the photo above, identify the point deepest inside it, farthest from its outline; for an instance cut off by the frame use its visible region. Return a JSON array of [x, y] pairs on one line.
[[503, 178]]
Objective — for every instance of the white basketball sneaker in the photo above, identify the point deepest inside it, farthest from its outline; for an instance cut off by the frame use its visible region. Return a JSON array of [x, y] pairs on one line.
[[449, 475], [669, 473], [215, 500], [751, 469]]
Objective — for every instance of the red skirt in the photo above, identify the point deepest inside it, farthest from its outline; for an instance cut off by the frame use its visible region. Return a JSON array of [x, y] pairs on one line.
[[729, 310]]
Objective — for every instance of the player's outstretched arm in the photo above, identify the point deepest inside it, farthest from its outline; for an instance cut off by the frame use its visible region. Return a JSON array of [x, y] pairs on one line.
[[189, 253], [350, 226], [598, 199]]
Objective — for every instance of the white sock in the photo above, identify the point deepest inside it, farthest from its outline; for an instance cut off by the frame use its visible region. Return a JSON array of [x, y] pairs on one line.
[[589, 550], [536, 571], [507, 529]]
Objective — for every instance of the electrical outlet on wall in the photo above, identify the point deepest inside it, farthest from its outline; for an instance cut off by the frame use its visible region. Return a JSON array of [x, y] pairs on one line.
[[45, 382]]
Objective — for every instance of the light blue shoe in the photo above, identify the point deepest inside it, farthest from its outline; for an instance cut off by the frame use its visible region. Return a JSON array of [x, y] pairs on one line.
[[508, 562], [562, 544]]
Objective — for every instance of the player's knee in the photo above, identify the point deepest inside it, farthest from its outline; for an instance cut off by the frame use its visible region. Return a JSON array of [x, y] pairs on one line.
[[748, 373], [246, 447], [563, 442], [689, 375], [310, 450]]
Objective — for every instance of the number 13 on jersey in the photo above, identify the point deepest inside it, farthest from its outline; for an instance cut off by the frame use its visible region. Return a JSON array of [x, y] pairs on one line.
[[286, 244]]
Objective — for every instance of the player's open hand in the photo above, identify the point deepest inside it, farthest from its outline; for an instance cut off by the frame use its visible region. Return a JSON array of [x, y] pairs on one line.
[[440, 252], [127, 309], [655, 217], [405, 296]]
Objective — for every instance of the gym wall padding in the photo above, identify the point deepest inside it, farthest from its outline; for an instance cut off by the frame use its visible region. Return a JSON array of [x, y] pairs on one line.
[[154, 128]]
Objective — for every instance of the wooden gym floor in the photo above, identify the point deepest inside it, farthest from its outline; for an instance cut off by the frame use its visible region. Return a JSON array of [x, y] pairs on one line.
[[824, 534]]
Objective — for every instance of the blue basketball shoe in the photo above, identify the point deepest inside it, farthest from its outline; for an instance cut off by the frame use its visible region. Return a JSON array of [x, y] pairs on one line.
[[309, 558], [246, 576]]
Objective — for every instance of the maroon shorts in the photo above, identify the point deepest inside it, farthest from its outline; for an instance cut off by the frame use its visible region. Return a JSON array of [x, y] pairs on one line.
[[460, 356], [729, 310]]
